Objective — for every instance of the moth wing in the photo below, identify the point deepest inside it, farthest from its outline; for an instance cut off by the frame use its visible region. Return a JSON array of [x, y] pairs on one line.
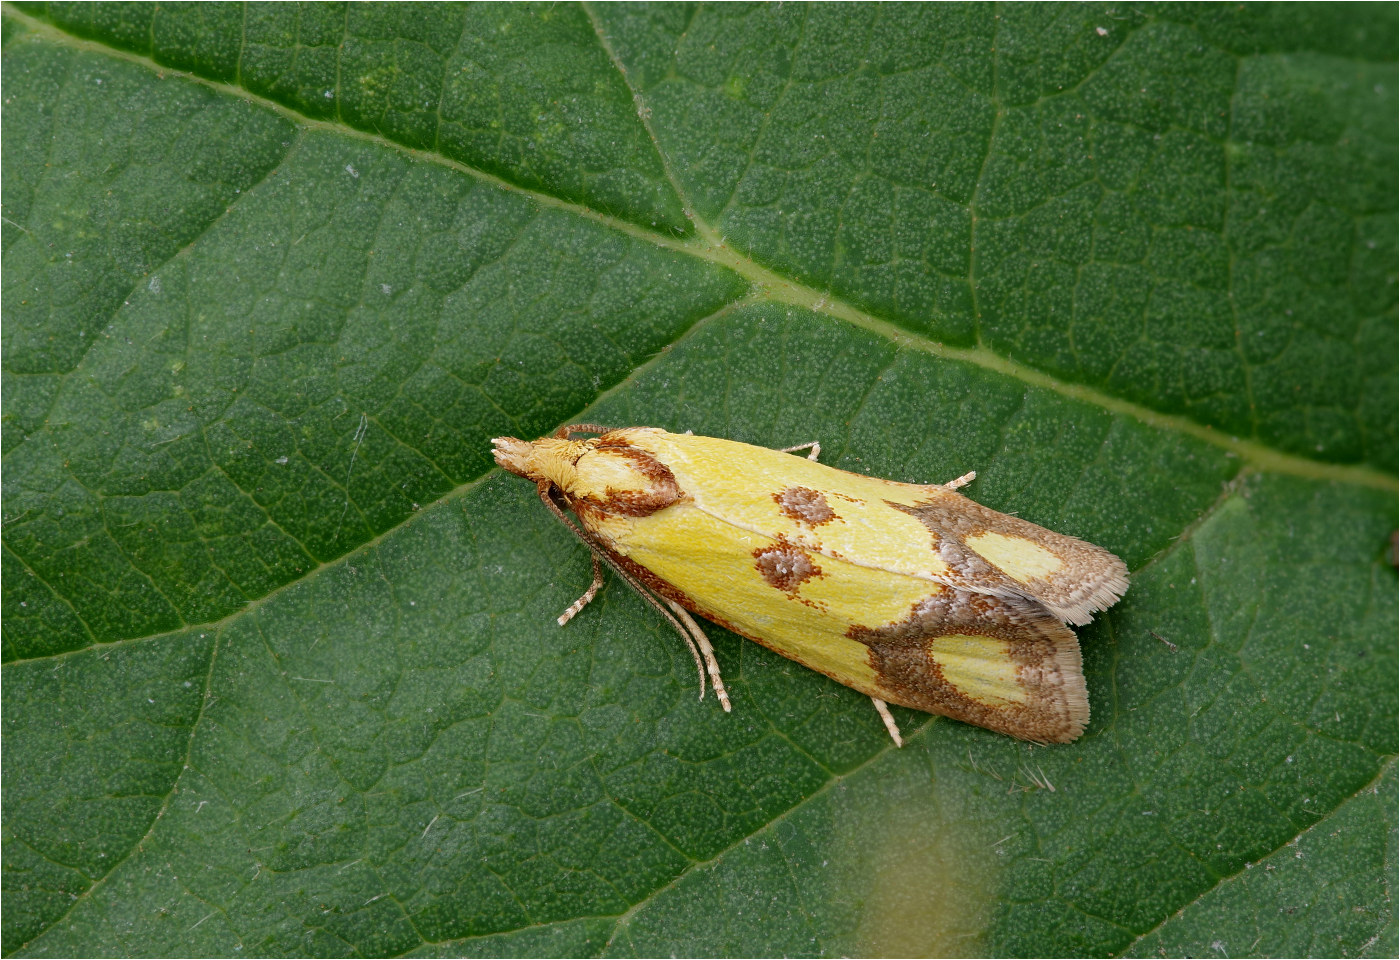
[[1005, 556], [1004, 663]]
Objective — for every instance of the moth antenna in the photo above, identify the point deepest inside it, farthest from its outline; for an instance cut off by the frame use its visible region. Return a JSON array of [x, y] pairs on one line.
[[566, 432], [888, 717], [545, 490], [647, 595], [708, 651]]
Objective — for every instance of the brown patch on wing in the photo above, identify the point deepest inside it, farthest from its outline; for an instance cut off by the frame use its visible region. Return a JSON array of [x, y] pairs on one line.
[[785, 566], [1044, 651], [804, 505], [665, 589], [1090, 579], [949, 524]]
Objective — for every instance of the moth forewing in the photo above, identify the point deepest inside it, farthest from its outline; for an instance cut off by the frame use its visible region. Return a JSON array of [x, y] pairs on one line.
[[910, 593], [1072, 578]]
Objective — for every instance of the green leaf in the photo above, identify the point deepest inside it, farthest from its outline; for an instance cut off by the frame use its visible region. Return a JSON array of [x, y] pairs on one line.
[[281, 673]]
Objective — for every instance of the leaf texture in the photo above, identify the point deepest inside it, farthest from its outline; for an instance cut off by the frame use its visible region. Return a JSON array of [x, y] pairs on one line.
[[281, 672]]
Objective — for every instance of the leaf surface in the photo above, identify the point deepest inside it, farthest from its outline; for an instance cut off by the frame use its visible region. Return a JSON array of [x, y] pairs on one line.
[[281, 673]]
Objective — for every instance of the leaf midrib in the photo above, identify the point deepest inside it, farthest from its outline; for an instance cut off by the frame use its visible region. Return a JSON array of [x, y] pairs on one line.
[[769, 285], [766, 285]]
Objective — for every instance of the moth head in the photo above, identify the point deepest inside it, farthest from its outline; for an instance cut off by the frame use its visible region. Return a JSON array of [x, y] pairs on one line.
[[543, 459], [605, 474]]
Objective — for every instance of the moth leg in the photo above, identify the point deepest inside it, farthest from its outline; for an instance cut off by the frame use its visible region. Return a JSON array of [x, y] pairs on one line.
[[962, 481], [886, 716], [588, 594], [815, 446], [707, 651], [545, 490], [661, 606]]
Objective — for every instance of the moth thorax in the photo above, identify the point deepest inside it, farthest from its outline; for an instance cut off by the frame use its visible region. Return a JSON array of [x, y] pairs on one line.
[[618, 478]]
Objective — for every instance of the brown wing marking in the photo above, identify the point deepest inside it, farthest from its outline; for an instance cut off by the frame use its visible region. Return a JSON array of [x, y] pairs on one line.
[[1087, 577], [1053, 705], [785, 566], [805, 505]]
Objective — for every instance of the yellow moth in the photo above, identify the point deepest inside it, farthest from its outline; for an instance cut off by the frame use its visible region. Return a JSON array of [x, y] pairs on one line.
[[910, 593]]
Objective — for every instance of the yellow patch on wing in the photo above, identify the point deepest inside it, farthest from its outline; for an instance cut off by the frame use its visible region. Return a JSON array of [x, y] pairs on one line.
[[1002, 663], [1018, 558], [992, 552], [800, 604], [771, 493], [979, 667]]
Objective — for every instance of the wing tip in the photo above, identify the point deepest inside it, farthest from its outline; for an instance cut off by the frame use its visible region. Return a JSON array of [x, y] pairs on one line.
[[1073, 691], [1062, 706], [1091, 595]]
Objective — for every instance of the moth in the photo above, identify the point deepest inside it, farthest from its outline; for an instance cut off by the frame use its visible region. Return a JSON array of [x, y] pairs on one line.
[[910, 593]]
